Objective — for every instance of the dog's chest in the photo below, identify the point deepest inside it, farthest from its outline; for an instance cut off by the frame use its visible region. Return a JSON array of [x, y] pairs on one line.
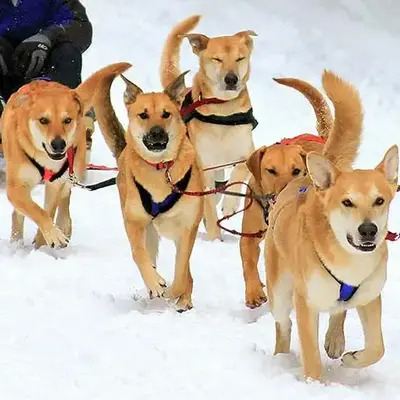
[[324, 291], [221, 144]]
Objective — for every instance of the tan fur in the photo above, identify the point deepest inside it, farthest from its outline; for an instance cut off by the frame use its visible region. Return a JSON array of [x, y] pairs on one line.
[[215, 144], [307, 234], [181, 222], [272, 168]]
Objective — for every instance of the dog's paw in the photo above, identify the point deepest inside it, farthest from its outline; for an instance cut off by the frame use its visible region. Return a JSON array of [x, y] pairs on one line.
[[54, 237], [255, 295], [157, 288], [230, 205], [352, 359], [334, 345], [39, 240], [214, 234], [184, 303]]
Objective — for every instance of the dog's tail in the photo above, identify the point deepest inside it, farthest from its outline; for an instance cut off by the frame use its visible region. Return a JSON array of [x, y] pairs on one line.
[[112, 130], [169, 68], [344, 141], [317, 100]]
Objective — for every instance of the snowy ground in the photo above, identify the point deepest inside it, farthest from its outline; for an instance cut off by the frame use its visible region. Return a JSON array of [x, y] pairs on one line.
[[76, 324]]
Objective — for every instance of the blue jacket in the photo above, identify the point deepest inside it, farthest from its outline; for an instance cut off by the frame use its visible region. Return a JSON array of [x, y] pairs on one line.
[[59, 20]]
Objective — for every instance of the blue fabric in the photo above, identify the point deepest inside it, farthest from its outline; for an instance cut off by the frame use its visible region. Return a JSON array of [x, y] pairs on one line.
[[346, 291], [303, 189], [166, 204], [17, 23]]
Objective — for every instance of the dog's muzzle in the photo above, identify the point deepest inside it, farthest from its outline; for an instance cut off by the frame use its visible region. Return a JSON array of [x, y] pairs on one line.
[[231, 80], [156, 139], [58, 147], [367, 231]]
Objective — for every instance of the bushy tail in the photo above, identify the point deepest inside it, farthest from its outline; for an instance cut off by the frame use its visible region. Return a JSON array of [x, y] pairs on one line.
[[344, 141], [112, 130], [317, 100], [169, 68]]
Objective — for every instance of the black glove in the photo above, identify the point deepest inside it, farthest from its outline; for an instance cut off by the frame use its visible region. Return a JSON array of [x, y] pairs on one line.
[[6, 51], [29, 57]]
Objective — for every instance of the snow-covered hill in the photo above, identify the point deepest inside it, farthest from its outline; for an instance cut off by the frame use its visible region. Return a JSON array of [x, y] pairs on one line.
[[77, 324]]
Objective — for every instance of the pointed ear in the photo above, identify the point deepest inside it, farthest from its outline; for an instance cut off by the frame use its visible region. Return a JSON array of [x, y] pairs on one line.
[[246, 37], [131, 91], [20, 100], [322, 172], [198, 42], [254, 162], [389, 166], [77, 99], [177, 88]]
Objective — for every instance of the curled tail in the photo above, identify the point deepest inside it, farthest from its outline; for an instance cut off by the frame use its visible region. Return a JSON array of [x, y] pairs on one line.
[[344, 141], [169, 68], [112, 130], [317, 100]]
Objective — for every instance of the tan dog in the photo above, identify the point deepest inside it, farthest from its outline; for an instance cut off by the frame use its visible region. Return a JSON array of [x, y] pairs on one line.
[[43, 134], [272, 168], [155, 141], [224, 69], [325, 245]]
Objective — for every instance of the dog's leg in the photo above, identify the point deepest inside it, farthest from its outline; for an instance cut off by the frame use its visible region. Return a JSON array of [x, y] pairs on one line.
[[152, 243], [250, 252], [370, 316], [21, 199], [210, 209], [17, 227], [136, 232], [230, 204], [64, 221], [182, 285], [334, 338], [52, 199], [307, 323]]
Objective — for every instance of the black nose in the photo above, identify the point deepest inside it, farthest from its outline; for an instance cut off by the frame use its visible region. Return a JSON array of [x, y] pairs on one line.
[[231, 79], [368, 231], [157, 134], [58, 145]]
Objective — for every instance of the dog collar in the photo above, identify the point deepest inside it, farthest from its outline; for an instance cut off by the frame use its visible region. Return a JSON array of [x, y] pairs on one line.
[[50, 176], [161, 165], [305, 136], [189, 112]]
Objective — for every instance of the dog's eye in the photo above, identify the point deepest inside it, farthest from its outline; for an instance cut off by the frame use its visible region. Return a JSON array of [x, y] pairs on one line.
[[67, 120], [165, 114], [44, 121], [379, 201], [217, 59], [144, 115], [271, 171], [240, 59], [348, 203], [296, 172]]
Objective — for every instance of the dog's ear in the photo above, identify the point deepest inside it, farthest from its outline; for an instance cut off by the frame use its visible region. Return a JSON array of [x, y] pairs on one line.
[[176, 89], [79, 102], [20, 100], [254, 162], [322, 172], [246, 37], [131, 92], [198, 42], [389, 166]]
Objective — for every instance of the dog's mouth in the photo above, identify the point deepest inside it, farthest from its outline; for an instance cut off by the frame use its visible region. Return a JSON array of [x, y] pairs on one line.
[[364, 246], [231, 88], [54, 156], [155, 145]]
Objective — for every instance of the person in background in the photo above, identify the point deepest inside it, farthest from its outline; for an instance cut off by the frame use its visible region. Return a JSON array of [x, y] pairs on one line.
[[43, 39]]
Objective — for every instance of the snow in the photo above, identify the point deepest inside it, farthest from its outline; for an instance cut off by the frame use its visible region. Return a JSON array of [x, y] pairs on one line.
[[77, 324]]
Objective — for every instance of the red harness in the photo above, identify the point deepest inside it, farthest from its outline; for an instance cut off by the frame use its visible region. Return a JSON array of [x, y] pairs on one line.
[[49, 175], [198, 103], [161, 165], [305, 136]]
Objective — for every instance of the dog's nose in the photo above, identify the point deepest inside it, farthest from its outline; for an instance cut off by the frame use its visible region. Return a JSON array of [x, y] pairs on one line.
[[158, 134], [368, 231], [231, 79], [58, 144]]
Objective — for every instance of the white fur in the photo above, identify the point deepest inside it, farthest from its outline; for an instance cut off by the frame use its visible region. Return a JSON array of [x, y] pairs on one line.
[[37, 136]]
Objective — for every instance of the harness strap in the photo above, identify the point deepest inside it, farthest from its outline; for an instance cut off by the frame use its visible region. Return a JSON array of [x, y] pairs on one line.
[[155, 209], [189, 112], [305, 136], [161, 165]]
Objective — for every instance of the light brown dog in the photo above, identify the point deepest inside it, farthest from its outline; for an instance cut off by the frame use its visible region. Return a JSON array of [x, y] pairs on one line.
[[155, 142], [325, 248], [272, 168], [224, 69], [43, 134]]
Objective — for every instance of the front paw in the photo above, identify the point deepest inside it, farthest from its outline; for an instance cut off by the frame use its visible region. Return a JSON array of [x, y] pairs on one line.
[[334, 344], [157, 287], [54, 237], [255, 295], [230, 205]]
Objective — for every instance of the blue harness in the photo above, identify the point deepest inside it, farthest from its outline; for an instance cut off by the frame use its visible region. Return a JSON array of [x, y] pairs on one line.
[[346, 292], [155, 209]]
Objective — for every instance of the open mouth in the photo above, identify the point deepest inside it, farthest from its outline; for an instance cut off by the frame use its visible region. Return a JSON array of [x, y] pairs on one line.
[[54, 156], [231, 88], [365, 246], [155, 147]]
